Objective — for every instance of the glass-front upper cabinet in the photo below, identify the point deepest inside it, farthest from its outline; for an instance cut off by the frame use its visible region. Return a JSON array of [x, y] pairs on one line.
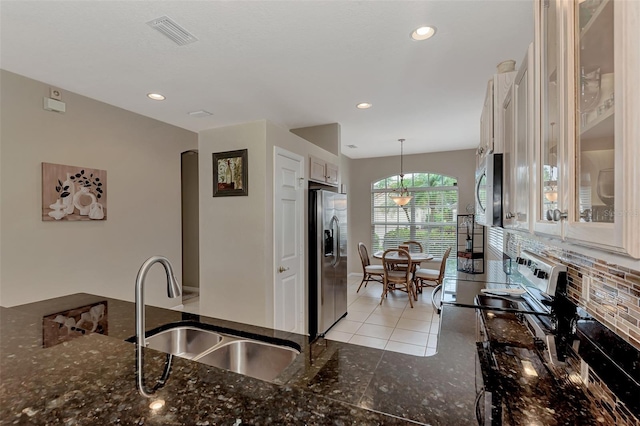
[[594, 79], [598, 78], [588, 159], [550, 170]]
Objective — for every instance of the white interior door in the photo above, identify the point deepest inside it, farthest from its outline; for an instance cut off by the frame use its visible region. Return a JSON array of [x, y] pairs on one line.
[[289, 280]]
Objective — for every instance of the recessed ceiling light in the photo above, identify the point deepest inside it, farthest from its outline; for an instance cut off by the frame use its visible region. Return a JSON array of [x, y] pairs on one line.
[[363, 105], [423, 33], [155, 96]]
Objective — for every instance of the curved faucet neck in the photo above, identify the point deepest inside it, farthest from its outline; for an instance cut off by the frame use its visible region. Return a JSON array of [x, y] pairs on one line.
[[173, 290]]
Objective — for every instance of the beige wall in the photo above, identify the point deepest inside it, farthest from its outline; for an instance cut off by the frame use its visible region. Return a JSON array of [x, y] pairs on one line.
[[326, 136], [363, 172], [190, 219], [232, 229], [236, 233], [40, 259], [345, 173]]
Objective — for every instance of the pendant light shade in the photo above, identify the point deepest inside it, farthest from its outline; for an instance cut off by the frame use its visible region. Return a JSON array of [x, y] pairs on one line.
[[401, 195]]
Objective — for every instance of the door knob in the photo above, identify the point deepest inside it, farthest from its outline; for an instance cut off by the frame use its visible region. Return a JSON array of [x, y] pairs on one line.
[[282, 269]]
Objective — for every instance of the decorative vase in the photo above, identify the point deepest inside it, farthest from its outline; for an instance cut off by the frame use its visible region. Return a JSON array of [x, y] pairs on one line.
[[605, 186], [83, 200], [68, 200], [96, 211], [58, 210]]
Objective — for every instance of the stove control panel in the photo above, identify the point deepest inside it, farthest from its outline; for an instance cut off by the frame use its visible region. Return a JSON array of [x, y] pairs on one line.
[[540, 272]]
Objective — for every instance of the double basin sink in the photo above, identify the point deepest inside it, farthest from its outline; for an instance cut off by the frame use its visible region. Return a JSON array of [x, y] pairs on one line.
[[250, 357], [492, 302]]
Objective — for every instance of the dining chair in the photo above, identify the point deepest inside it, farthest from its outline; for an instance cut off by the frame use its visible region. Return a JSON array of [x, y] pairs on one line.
[[434, 276], [414, 246], [369, 272], [397, 279]]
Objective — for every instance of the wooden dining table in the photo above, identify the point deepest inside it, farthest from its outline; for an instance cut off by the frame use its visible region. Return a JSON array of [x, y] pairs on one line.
[[416, 258]]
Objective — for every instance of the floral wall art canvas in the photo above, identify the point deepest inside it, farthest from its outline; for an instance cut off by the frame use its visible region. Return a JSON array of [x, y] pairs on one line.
[[230, 173], [73, 193]]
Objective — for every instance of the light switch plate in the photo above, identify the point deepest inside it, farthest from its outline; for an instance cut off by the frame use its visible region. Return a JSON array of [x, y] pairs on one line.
[[53, 105]]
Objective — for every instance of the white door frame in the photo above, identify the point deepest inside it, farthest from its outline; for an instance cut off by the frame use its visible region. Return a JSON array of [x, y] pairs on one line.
[[302, 308]]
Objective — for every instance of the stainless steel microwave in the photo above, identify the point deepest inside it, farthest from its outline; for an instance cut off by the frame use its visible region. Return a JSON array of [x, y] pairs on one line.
[[488, 190]]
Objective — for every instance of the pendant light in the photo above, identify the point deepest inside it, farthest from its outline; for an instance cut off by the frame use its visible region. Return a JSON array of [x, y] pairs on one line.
[[401, 195]]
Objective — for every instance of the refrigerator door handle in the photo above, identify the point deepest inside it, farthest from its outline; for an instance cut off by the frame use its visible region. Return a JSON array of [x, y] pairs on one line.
[[336, 254]]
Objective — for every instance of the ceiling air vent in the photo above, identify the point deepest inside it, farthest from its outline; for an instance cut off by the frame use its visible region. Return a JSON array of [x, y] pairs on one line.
[[351, 146], [171, 29], [200, 114]]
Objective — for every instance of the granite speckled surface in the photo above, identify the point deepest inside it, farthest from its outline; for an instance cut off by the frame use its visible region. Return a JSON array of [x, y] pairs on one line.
[[505, 329], [91, 379], [534, 396], [525, 389]]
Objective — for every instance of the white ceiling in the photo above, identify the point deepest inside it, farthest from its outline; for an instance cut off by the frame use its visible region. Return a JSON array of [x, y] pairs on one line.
[[295, 63]]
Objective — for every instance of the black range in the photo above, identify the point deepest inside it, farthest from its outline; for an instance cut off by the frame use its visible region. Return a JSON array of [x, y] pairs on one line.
[[536, 349]]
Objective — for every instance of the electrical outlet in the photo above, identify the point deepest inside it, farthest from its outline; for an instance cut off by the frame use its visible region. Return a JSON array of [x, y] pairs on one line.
[[55, 93]]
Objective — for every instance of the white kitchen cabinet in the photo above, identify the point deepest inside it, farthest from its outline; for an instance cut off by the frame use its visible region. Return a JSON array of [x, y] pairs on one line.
[[491, 119], [518, 109], [486, 125], [508, 177], [550, 171], [587, 152], [332, 174], [323, 171]]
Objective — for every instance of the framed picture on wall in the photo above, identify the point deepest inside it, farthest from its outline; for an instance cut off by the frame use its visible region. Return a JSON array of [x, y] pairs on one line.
[[230, 173], [72, 193]]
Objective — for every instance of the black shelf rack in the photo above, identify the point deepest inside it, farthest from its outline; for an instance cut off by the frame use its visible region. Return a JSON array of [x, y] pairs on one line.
[[470, 245]]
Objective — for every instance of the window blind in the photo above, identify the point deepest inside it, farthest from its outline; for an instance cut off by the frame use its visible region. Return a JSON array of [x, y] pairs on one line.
[[429, 218]]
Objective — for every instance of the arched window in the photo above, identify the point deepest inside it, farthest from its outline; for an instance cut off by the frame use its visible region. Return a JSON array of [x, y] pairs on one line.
[[429, 218]]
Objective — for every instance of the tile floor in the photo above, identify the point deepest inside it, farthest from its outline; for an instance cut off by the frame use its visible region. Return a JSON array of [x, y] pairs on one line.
[[393, 326], [191, 305]]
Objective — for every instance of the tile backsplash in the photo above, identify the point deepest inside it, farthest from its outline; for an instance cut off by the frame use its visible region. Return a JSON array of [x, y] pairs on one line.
[[609, 292]]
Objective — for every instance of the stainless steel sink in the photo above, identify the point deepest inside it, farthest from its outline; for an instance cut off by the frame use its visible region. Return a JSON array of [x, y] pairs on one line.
[[184, 341], [251, 358], [495, 302]]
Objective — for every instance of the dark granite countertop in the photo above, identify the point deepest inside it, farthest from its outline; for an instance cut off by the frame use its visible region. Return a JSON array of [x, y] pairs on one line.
[[91, 379], [524, 387]]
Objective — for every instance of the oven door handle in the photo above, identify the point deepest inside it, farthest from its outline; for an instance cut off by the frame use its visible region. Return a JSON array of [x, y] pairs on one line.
[[479, 416], [433, 300]]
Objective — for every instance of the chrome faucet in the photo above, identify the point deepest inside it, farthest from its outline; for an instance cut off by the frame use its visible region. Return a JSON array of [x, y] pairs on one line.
[[173, 290]]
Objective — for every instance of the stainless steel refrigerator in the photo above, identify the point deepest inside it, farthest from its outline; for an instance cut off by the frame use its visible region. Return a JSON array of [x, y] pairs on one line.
[[327, 260]]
